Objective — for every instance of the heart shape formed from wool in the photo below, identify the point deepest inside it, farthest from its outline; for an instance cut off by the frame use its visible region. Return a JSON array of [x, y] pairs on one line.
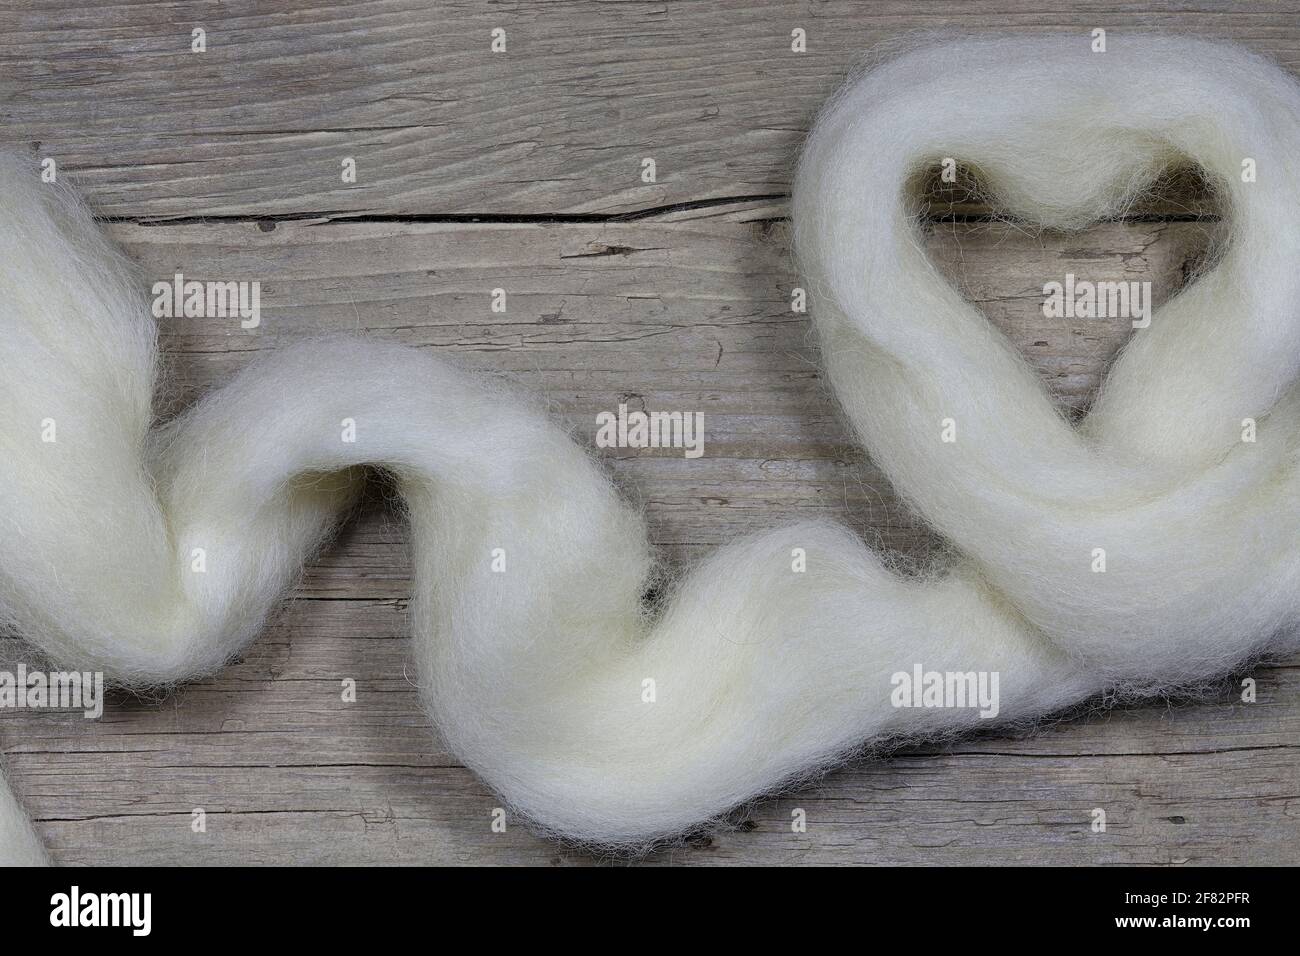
[[780, 653], [1195, 521]]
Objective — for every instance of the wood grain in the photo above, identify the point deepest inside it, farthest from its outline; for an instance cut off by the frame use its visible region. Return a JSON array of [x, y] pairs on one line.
[[690, 314], [670, 296], [259, 124]]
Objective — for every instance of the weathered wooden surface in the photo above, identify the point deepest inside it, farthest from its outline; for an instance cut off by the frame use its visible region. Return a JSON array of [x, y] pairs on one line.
[[438, 124], [687, 308]]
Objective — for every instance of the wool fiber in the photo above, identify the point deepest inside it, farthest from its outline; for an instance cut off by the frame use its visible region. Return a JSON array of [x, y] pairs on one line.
[[594, 718]]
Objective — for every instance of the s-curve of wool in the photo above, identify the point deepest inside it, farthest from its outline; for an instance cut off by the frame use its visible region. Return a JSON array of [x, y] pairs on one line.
[[764, 675]]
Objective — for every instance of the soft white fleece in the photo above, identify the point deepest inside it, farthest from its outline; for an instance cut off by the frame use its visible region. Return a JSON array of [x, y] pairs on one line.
[[763, 675]]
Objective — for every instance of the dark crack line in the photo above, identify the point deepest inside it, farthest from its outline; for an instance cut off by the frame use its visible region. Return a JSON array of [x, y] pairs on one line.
[[345, 216], [333, 216]]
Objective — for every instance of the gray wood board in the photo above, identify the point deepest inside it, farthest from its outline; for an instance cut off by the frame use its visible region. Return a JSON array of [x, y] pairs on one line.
[[692, 313], [437, 123]]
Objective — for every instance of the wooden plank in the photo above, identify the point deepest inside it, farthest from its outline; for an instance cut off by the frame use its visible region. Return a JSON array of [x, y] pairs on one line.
[[260, 123], [691, 313], [285, 771], [688, 307]]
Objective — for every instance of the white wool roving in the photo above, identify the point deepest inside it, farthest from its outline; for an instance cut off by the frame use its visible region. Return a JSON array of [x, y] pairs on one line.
[[763, 674]]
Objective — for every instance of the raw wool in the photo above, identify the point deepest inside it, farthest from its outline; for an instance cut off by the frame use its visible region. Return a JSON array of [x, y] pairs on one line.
[[1197, 524], [19, 844], [762, 673]]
